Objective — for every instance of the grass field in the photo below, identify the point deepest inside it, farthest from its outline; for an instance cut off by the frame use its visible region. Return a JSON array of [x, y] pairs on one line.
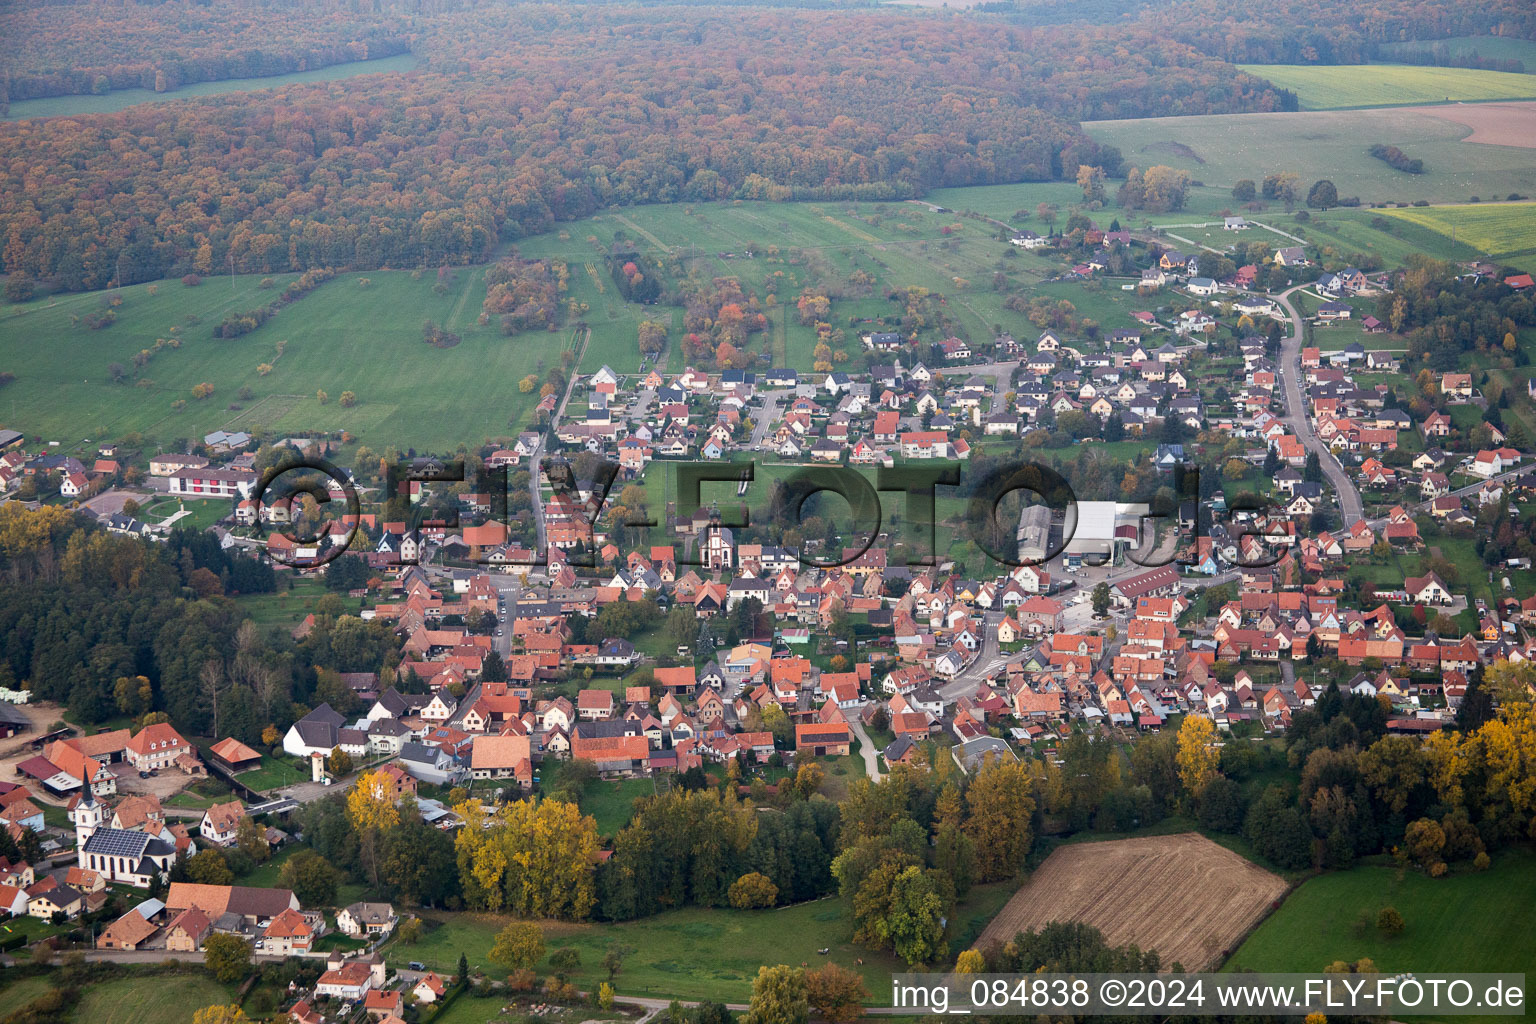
[[287, 607], [697, 953], [1458, 923], [342, 336], [274, 773], [1220, 149], [144, 1000], [58, 106], [1340, 86], [1182, 895], [610, 802], [1497, 230]]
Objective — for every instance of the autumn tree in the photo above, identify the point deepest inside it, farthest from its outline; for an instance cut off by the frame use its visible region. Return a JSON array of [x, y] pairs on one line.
[[779, 996], [1000, 805], [970, 962], [219, 1014], [1199, 757], [753, 890], [371, 805], [518, 947], [835, 993], [533, 857]]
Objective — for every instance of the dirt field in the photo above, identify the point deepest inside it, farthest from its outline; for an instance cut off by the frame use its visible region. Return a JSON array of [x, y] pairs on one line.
[[1493, 124], [1181, 895]]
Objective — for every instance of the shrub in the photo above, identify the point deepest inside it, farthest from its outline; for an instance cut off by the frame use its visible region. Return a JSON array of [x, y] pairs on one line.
[[191, 280], [1389, 921]]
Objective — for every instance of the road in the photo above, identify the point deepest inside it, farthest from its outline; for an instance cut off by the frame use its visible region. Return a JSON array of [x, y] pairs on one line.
[[1296, 415], [535, 476], [867, 748], [1460, 492]]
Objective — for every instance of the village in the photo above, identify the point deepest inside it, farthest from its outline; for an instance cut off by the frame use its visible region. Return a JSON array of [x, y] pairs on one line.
[[745, 651]]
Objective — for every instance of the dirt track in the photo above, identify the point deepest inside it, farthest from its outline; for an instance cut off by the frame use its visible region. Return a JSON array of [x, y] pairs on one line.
[[1182, 895]]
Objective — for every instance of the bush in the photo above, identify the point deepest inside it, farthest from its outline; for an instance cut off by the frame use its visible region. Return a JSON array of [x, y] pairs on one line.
[[1389, 921], [19, 289], [191, 280]]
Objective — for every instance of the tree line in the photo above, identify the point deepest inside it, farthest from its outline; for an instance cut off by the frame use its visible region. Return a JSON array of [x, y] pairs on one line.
[[518, 131]]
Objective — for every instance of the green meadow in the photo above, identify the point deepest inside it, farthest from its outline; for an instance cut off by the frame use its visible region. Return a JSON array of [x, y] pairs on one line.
[[1321, 921], [343, 336], [697, 953], [1341, 86]]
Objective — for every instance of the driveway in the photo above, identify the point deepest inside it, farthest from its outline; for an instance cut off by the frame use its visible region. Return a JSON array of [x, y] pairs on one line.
[[867, 748]]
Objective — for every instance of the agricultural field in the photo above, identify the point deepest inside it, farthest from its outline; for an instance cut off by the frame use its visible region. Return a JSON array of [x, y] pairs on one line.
[[1220, 149], [1318, 923], [1182, 895], [69, 106], [696, 953], [1342, 86], [1496, 230]]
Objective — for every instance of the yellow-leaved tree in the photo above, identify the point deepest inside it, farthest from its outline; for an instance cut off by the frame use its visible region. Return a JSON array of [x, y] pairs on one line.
[[371, 805], [1199, 756], [534, 858]]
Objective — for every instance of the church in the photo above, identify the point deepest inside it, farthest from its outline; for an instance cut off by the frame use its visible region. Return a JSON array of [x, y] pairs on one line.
[[117, 854]]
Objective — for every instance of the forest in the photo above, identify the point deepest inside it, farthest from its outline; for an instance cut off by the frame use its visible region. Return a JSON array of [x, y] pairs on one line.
[[109, 625], [81, 48], [515, 129]]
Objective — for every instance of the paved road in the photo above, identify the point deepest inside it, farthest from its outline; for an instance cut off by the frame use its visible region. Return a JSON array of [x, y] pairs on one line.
[[1296, 415], [535, 476], [867, 748], [1460, 492]]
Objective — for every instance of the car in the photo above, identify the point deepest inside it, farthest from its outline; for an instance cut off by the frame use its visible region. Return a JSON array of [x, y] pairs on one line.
[[143, 775], [416, 965], [498, 632]]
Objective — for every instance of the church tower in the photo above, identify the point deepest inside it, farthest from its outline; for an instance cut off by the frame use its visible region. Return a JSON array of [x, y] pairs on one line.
[[89, 815]]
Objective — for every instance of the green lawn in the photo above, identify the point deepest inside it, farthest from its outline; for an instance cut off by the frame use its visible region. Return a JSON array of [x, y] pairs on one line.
[[288, 607], [696, 953], [274, 773], [145, 999], [1220, 149], [22, 992], [199, 514], [610, 802], [1463, 922], [1337, 86]]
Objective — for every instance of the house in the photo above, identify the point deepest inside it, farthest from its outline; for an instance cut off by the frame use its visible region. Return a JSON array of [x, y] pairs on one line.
[[221, 822], [234, 755], [382, 1006], [502, 757], [349, 981], [290, 932], [1202, 286], [366, 919], [830, 739], [157, 746], [1430, 589], [187, 930], [429, 989], [128, 932], [1291, 256]]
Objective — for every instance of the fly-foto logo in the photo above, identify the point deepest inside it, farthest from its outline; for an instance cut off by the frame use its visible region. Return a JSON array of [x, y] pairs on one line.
[[993, 518]]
